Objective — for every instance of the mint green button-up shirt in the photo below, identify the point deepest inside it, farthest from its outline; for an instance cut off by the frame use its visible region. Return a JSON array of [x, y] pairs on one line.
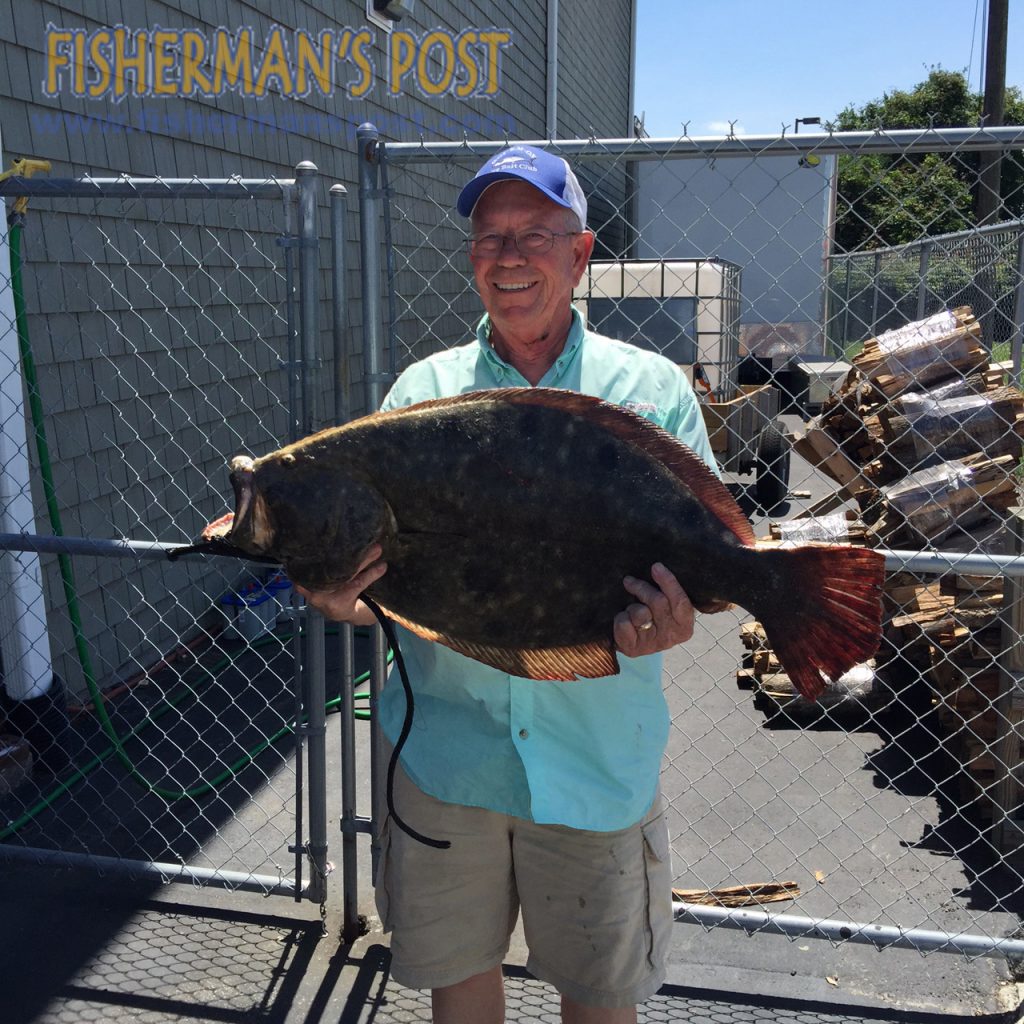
[[583, 754]]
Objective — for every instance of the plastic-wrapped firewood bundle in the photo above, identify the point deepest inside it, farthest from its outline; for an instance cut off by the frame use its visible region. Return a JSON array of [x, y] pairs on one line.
[[940, 358], [856, 421], [928, 505], [842, 527], [956, 387], [919, 429], [919, 354]]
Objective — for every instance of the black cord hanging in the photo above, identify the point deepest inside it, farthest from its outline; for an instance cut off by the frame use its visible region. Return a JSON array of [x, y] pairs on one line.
[[389, 632]]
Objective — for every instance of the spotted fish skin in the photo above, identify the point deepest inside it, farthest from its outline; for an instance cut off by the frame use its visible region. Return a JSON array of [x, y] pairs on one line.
[[509, 518]]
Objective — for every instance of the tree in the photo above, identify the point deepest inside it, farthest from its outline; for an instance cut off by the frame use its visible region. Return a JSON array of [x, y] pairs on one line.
[[887, 200]]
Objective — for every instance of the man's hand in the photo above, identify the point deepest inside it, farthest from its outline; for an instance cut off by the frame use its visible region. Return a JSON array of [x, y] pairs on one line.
[[661, 618], [341, 603]]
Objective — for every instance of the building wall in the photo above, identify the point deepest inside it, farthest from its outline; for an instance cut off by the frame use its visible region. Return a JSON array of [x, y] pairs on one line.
[[161, 328], [767, 214], [594, 49], [587, 86]]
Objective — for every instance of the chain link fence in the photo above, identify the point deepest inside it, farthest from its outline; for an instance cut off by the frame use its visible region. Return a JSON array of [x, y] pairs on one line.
[[881, 289], [172, 324], [154, 715], [890, 812]]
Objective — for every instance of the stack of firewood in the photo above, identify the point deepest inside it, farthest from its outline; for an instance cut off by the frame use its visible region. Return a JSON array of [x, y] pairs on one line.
[[949, 630], [952, 498], [918, 395], [925, 437]]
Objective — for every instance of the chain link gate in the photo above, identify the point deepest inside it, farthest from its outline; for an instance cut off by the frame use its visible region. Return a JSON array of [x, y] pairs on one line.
[[163, 326], [889, 813]]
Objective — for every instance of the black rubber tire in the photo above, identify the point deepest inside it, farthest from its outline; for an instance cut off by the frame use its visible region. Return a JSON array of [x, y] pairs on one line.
[[771, 466]]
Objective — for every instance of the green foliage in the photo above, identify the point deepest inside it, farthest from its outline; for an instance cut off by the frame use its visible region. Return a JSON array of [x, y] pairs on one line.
[[888, 200], [944, 100]]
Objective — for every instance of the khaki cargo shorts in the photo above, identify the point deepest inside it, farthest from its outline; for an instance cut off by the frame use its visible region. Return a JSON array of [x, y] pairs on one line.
[[596, 906]]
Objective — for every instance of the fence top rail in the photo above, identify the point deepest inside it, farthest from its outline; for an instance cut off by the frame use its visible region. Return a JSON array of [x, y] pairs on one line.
[[148, 188], [924, 140], [1003, 227]]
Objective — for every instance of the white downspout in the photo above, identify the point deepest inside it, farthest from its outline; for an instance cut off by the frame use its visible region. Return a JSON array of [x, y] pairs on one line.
[[24, 639], [551, 97]]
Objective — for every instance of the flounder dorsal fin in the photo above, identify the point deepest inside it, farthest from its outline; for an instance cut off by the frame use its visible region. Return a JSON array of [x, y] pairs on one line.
[[581, 661], [683, 462]]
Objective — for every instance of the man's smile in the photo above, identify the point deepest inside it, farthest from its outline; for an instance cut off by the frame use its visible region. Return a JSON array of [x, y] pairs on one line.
[[515, 287]]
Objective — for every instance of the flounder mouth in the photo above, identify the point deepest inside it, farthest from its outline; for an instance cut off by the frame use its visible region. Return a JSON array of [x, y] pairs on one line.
[[219, 528], [248, 528], [241, 484], [244, 533]]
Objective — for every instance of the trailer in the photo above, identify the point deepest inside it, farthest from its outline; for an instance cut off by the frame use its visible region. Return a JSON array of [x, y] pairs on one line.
[[689, 311], [747, 436]]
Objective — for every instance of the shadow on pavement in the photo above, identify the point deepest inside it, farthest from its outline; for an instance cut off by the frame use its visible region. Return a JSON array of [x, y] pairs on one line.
[[375, 998]]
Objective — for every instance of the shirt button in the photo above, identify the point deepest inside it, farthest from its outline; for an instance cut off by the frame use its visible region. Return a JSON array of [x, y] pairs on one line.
[[524, 734]]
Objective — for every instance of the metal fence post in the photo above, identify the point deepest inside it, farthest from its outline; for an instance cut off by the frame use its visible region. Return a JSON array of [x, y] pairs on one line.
[[370, 203], [339, 304], [1007, 832], [1018, 307], [290, 364], [291, 355], [351, 927], [370, 209], [307, 178], [922, 280], [875, 286], [846, 310]]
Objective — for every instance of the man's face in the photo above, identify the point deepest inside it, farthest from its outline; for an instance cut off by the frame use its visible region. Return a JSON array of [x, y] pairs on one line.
[[527, 296]]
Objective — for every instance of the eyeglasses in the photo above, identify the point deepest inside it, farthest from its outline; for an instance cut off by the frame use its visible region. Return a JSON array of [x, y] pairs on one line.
[[534, 242]]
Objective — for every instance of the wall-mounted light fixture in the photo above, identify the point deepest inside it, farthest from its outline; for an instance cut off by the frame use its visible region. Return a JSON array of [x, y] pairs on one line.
[[805, 120]]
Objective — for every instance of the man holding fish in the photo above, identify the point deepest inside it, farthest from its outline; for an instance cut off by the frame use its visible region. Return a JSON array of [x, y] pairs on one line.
[[547, 790]]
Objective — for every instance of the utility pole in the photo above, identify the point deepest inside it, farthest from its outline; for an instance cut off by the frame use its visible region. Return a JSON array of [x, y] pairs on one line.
[[988, 205]]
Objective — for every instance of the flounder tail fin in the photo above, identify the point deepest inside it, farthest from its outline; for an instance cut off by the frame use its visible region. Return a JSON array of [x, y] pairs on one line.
[[831, 618]]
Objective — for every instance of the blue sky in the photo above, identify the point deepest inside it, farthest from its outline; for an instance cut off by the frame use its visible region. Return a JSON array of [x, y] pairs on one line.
[[763, 63]]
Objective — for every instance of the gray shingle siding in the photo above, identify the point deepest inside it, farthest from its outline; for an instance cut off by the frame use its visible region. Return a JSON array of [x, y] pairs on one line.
[[159, 327], [594, 41]]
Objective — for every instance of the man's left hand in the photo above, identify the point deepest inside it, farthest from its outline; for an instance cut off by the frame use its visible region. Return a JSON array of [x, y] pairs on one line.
[[661, 618]]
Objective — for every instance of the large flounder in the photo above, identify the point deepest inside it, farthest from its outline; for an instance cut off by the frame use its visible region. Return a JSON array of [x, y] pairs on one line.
[[508, 519]]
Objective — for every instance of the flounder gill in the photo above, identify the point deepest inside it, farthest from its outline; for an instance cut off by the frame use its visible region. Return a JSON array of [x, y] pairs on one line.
[[508, 519]]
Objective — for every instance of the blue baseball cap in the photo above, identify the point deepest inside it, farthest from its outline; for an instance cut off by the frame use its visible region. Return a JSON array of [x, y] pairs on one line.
[[548, 173]]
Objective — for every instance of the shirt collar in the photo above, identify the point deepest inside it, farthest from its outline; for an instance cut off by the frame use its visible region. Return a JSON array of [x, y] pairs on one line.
[[505, 373]]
